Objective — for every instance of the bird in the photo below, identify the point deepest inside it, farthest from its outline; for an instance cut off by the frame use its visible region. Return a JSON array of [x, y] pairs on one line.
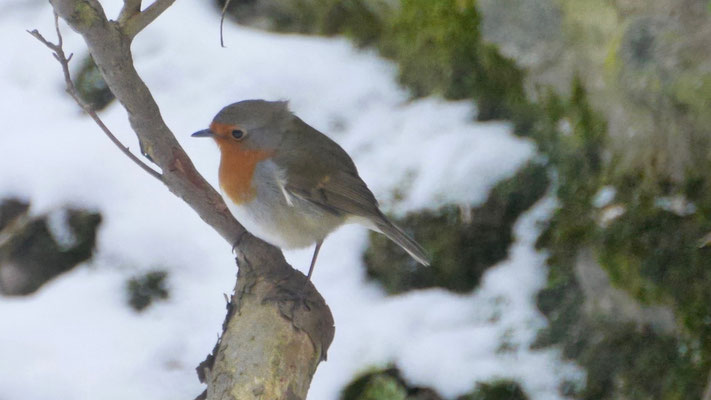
[[289, 184]]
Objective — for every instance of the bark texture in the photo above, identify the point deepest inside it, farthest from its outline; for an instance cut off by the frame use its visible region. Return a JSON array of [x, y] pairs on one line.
[[275, 334], [270, 342]]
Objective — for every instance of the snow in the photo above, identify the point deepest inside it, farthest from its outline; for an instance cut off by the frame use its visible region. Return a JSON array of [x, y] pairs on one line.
[[77, 339]]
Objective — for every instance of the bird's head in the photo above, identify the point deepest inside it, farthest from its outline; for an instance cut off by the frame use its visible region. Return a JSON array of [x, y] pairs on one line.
[[249, 125]]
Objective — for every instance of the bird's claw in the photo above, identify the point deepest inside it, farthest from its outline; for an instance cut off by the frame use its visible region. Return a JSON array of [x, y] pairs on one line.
[[296, 298]]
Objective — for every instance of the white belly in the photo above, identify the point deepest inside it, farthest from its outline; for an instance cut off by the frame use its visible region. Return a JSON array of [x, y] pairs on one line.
[[286, 224]]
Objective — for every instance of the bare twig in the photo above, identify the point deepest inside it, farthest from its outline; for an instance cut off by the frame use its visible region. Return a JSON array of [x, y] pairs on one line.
[[58, 53], [130, 8], [141, 20], [222, 21]]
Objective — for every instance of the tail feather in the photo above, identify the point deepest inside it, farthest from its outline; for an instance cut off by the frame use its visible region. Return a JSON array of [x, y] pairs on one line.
[[394, 233]]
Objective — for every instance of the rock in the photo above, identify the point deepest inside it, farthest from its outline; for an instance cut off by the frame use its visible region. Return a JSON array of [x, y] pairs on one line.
[[643, 63], [602, 300], [36, 249], [11, 210], [360, 19], [463, 241], [144, 289], [496, 390], [91, 86], [388, 384]]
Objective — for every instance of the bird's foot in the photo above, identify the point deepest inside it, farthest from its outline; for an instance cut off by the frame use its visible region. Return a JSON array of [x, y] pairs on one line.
[[290, 298]]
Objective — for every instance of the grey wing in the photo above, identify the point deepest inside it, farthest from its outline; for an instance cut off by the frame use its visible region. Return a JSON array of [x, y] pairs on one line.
[[330, 180], [339, 193]]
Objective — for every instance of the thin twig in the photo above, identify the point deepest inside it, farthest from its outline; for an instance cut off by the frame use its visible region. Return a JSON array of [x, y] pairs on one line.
[[58, 53], [222, 21], [141, 20]]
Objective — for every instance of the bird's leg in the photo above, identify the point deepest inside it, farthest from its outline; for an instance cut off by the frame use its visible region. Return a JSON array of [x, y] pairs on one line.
[[298, 297], [313, 259], [239, 239]]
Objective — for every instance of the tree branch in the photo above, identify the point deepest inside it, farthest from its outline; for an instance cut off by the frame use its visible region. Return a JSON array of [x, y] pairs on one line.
[[298, 336], [138, 22], [130, 8], [58, 53]]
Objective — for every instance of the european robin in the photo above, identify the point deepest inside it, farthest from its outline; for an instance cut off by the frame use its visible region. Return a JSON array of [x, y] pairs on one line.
[[289, 184]]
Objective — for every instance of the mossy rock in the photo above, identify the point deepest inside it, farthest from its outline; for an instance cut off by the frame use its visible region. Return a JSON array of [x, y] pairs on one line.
[[91, 86], [10, 210], [649, 252], [561, 302], [461, 250], [388, 384], [34, 253], [438, 48], [380, 387], [144, 289], [622, 360], [496, 390], [362, 20], [385, 384]]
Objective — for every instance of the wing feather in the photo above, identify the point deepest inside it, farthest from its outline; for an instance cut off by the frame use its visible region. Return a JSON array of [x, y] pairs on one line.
[[331, 180]]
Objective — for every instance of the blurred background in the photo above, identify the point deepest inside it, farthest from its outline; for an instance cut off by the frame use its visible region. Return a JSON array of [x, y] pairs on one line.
[[553, 156]]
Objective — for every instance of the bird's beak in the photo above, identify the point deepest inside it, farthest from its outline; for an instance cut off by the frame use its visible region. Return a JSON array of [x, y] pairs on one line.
[[203, 133]]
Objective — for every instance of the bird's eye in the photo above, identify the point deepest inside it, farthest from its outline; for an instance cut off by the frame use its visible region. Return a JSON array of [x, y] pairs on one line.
[[238, 134]]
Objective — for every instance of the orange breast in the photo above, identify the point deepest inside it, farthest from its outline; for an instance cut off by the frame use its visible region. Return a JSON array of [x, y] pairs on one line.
[[237, 170]]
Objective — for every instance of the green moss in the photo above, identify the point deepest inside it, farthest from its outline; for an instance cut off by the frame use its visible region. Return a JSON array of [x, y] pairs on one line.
[[144, 289], [573, 137], [496, 390], [561, 302], [648, 252], [629, 363], [438, 48], [360, 20], [388, 384], [84, 14], [693, 92], [383, 388], [461, 250], [612, 61], [385, 384], [621, 360], [654, 254], [91, 86]]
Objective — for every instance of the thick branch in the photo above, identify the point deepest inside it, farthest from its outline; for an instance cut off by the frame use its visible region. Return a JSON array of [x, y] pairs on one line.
[[271, 283], [274, 352]]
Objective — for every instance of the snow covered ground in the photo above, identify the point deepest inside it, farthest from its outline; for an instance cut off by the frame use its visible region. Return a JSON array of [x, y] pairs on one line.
[[77, 339]]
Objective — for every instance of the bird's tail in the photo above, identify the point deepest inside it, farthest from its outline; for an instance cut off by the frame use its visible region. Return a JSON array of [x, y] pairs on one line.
[[394, 233]]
